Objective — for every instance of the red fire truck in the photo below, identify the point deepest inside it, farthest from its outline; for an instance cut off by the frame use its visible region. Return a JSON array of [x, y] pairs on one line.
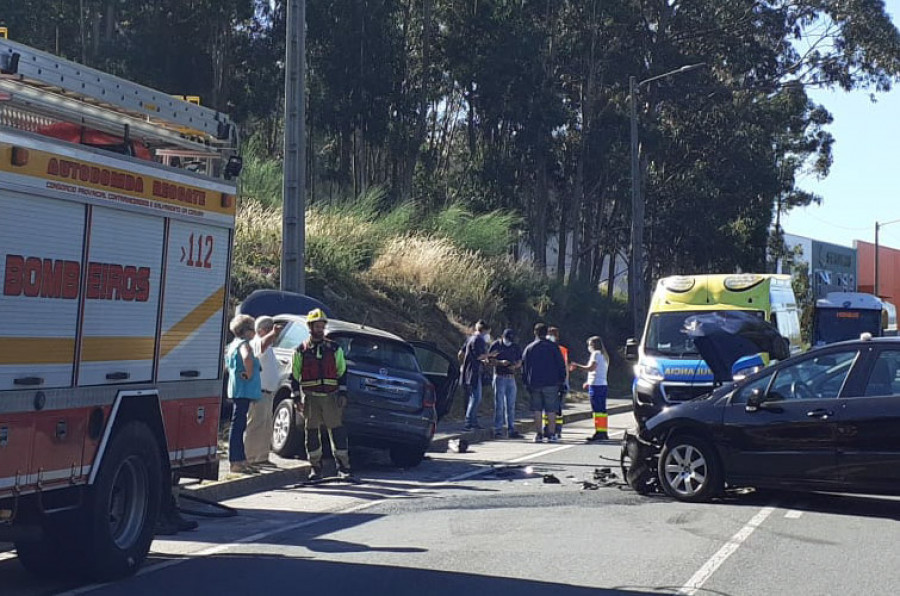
[[117, 206]]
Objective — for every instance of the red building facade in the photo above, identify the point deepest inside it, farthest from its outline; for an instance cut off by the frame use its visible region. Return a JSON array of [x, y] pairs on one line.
[[888, 270]]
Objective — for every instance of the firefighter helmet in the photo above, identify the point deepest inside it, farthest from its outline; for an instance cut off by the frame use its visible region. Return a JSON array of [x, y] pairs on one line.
[[317, 314]]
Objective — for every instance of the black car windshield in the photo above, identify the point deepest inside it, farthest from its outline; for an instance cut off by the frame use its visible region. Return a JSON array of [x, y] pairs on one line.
[[666, 336], [378, 351], [840, 324]]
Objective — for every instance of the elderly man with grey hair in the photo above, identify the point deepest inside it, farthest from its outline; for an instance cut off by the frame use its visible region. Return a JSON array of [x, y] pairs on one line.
[[258, 438]]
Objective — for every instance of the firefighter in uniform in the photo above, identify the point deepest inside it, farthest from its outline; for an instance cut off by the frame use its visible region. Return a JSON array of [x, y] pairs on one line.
[[318, 374]]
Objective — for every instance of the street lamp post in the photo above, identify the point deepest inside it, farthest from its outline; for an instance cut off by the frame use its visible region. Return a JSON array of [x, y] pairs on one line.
[[293, 245], [878, 226], [636, 273]]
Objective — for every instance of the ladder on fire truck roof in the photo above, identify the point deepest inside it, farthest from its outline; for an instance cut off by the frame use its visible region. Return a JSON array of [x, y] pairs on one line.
[[36, 82]]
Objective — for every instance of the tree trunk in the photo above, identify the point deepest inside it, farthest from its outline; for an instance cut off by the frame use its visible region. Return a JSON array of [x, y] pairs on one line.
[[563, 238], [539, 223], [110, 21]]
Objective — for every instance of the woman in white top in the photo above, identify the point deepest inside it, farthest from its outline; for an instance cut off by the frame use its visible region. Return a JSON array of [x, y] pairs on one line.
[[596, 385]]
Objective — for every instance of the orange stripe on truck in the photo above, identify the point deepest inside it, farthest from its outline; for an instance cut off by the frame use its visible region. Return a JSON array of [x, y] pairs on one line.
[[61, 350], [111, 349], [37, 350], [183, 329]]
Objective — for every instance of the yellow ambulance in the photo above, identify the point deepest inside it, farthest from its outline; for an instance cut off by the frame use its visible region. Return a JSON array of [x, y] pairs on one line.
[[669, 368]]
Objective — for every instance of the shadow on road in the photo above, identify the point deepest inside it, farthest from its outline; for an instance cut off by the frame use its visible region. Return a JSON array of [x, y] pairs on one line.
[[872, 506], [256, 574]]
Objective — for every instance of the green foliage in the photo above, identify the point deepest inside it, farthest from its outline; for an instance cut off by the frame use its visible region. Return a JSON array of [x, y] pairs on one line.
[[262, 178], [473, 118], [489, 234]]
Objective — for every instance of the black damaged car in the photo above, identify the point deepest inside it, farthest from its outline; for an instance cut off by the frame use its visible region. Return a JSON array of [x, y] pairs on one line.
[[827, 420]]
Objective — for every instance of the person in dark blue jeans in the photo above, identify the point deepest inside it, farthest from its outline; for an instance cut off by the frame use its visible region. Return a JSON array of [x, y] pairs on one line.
[[507, 361], [544, 373], [473, 355]]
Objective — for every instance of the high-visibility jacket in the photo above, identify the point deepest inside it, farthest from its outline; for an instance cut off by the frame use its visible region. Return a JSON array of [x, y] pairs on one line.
[[318, 367]]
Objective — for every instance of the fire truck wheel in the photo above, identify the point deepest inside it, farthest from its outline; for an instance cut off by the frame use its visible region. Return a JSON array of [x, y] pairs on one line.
[[287, 433], [123, 505], [51, 556]]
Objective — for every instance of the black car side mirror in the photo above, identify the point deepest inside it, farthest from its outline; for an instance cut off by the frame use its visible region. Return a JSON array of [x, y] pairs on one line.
[[631, 350], [755, 400]]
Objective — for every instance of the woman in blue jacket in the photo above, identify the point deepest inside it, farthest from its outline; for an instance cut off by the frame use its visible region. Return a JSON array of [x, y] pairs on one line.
[[244, 387]]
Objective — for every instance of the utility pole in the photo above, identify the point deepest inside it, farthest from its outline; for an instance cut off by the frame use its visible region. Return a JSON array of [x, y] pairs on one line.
[[636, 274], [877, 226], [81, 31], [293, 262], [636, 271]]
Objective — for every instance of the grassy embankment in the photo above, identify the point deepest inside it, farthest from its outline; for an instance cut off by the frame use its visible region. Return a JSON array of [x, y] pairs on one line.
[[420, 276]]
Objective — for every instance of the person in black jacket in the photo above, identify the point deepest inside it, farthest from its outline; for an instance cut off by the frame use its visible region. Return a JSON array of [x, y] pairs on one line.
[[544, 374], [473, 356]]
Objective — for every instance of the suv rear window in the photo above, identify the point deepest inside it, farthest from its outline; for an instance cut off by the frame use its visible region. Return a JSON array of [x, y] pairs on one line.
[[377, 351]]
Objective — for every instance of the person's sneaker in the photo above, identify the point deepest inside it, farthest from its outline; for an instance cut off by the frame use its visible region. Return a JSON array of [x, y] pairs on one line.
[[498, 434], [538, 437], [314, 474], [553, 439], [344, 473], [514, 434]]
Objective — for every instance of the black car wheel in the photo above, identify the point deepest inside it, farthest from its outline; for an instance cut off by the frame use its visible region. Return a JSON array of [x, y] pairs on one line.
[[287, 435], [689, 469], [406, 456]]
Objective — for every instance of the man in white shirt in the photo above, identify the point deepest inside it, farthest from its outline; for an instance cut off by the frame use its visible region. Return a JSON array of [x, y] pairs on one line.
[[258, 436]]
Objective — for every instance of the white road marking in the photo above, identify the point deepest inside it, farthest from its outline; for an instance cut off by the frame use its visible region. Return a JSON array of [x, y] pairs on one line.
[[709, 568], [7, 556], [207, 552], [793, 514]]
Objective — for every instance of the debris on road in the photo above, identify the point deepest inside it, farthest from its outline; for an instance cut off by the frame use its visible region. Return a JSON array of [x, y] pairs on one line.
[[551, 479]]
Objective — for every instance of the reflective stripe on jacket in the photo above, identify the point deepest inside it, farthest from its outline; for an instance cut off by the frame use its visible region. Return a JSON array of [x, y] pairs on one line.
[[318, 367]]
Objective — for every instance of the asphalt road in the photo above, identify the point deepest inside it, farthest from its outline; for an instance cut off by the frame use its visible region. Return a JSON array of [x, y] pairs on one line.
[[485, 523]]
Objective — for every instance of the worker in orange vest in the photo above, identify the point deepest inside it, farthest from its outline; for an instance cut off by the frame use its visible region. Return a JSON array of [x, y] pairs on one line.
[[553, 335]]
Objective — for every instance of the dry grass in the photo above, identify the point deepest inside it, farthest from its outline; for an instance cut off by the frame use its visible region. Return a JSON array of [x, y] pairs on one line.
[[257, 248], [353, 241], [462, 280]]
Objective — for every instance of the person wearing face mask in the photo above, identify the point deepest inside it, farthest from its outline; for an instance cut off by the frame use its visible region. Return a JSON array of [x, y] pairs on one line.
[[507, 361], [473, 355]]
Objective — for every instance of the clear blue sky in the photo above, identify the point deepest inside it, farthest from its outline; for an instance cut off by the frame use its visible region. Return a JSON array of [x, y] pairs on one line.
[[864, 183]]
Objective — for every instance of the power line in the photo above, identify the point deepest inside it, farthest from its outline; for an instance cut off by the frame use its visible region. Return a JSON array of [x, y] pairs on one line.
[[840, 227]]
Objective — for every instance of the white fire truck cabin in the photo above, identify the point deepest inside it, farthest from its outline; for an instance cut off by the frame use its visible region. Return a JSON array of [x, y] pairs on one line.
[[117, 208]]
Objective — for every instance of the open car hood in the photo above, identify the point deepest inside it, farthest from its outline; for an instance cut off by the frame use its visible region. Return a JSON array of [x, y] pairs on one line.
[[723, 338]]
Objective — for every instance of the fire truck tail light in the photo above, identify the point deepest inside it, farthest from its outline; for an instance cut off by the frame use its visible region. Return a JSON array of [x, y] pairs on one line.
[[19, 156]]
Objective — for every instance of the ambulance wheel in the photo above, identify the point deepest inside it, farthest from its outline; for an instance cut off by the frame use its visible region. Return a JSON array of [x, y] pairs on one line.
[[122, 507], [288, 439]]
